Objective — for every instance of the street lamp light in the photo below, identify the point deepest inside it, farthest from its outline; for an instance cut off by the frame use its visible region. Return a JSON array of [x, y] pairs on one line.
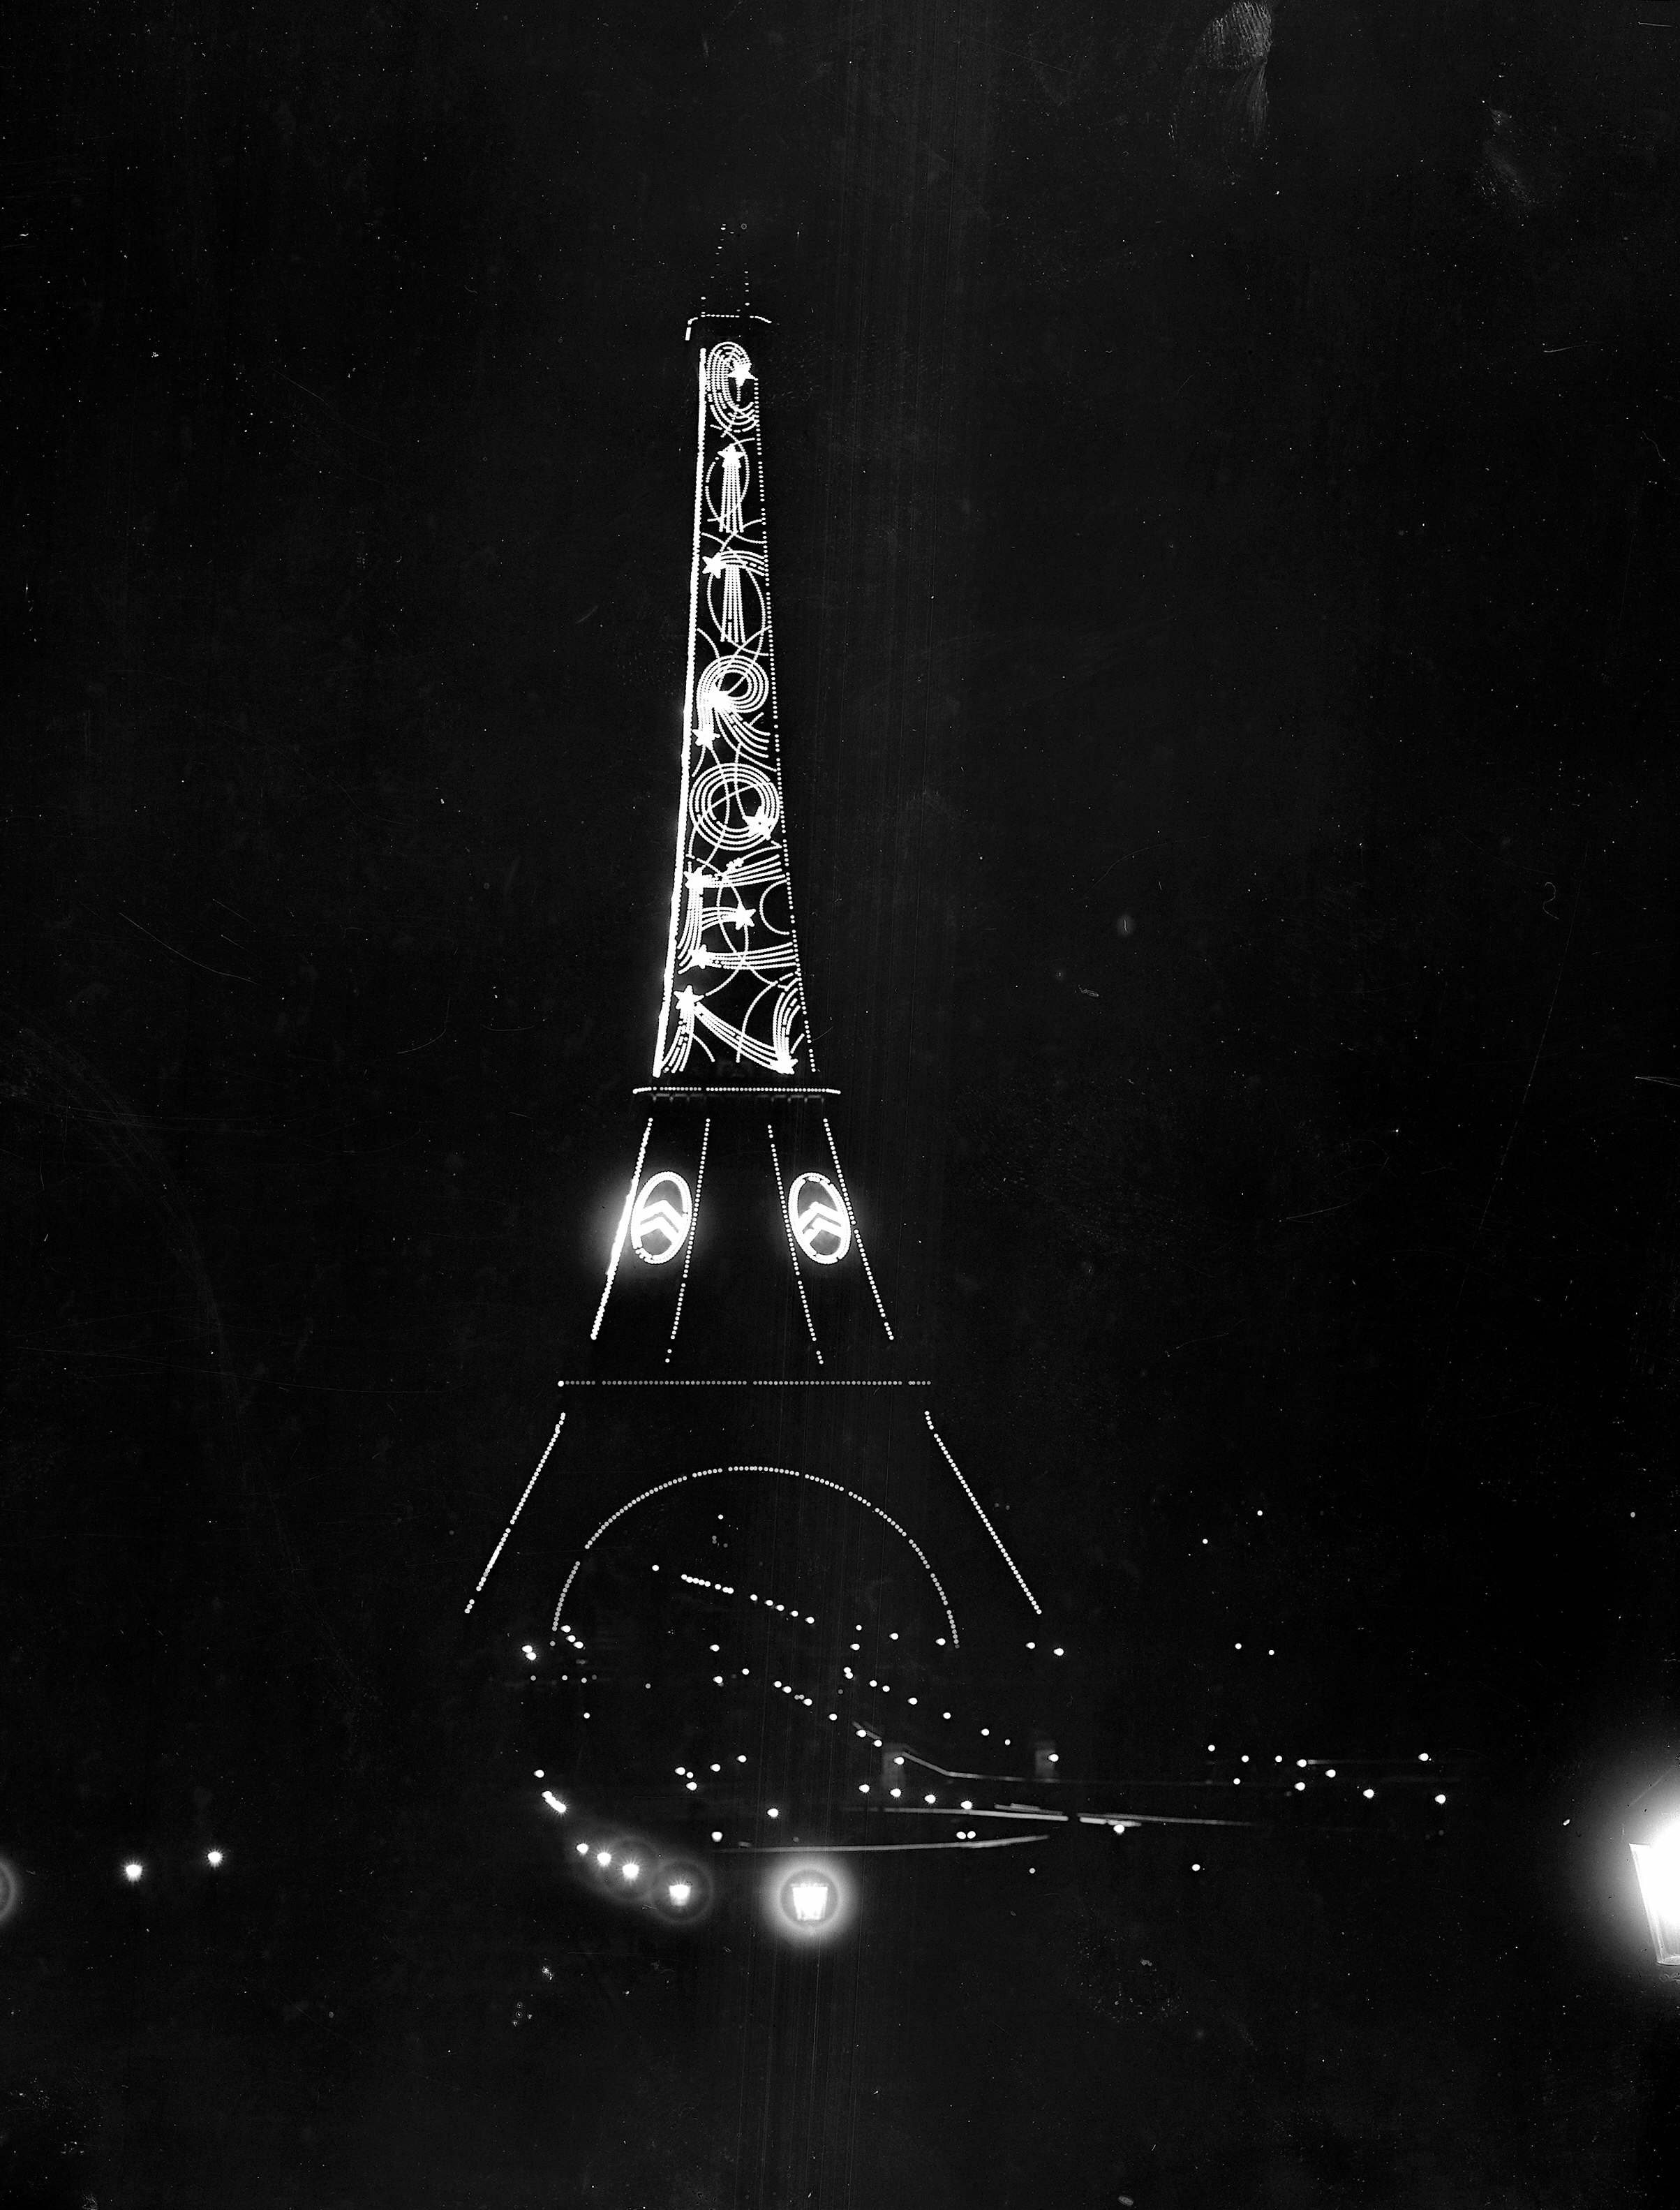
[[1658, 1865], [681, 1891], [808, 1899]]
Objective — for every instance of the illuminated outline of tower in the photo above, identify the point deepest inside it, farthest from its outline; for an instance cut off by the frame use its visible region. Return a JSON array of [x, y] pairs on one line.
[[733, 1033]]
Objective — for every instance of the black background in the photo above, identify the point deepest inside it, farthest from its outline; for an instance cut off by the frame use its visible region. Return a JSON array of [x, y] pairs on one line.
[[1226, 671]]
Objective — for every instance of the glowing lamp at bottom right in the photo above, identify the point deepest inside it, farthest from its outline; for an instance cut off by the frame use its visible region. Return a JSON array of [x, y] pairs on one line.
[[1658, 1865]]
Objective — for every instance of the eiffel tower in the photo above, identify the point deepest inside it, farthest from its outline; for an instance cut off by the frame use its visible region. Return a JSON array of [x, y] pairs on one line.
[[748, 1669]]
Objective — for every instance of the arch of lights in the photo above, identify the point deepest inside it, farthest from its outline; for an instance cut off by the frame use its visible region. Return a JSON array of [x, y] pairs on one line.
[[787, 1473]]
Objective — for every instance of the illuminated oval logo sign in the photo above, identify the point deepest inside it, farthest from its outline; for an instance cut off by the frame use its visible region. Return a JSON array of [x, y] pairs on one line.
[[816, 1213], [660, 1223]]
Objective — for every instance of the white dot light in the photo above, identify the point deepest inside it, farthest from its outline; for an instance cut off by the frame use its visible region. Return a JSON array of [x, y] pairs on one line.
[[132, 1870], [213, 1856]]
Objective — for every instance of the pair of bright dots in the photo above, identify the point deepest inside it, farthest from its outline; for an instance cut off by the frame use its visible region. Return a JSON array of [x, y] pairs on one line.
[[134, 1871]]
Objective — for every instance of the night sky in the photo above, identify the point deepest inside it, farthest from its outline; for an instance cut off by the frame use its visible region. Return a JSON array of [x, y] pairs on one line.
[[1225, 508]]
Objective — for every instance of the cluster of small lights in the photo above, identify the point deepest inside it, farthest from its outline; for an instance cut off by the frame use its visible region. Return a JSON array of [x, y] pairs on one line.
[[1327, 1771]]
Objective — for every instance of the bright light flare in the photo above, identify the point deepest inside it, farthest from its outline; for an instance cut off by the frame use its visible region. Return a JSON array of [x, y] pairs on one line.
[[133, 1871], [1658, 1865], [213, 1857]]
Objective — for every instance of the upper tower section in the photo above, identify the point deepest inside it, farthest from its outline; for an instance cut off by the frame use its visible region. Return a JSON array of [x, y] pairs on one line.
[[732, 1014]]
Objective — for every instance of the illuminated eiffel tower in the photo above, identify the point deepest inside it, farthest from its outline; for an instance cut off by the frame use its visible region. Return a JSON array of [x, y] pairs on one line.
[[743, 1660]]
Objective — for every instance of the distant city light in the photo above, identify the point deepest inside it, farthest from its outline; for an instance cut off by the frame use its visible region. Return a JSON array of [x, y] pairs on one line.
[[554, 1802], [1423, 1757], [678, 1891], [1368, 1794], [583, 1849], [132, 1870], [603, 1858], [1440, 1799], [213, 1856], [772, 1813]]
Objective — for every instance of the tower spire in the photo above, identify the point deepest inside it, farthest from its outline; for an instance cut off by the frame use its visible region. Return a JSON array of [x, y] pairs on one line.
[[731, 1011]]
